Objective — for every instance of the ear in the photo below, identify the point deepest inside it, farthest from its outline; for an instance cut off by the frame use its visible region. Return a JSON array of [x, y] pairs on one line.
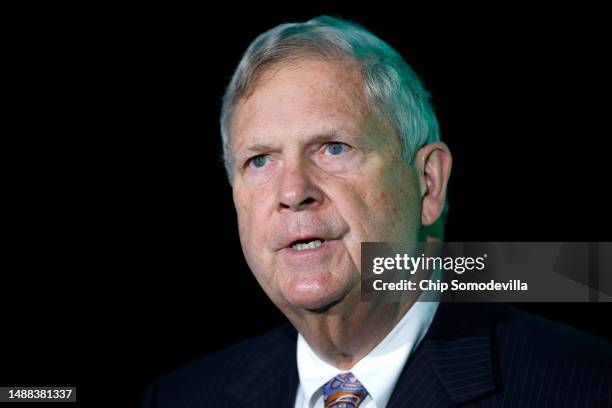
[[433, 162]]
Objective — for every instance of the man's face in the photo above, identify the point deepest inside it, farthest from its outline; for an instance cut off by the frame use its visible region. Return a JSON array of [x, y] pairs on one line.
[[315, 175]]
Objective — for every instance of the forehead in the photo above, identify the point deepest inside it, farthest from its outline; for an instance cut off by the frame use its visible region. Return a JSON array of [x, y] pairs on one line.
[[292, 98]]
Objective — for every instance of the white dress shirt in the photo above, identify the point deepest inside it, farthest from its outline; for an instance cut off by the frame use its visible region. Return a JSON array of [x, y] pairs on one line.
[[378, 371]]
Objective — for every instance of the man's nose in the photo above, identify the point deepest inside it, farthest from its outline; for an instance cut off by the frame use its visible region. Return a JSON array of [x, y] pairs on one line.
[[297, 190]]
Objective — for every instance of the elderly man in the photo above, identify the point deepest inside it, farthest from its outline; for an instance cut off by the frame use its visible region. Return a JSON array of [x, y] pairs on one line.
[[329, 141]]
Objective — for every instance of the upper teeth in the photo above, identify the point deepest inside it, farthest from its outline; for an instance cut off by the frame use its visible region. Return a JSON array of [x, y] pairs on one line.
[[311, 245]]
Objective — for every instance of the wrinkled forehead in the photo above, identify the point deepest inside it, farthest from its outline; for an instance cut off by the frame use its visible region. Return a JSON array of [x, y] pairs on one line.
[[293, 97]]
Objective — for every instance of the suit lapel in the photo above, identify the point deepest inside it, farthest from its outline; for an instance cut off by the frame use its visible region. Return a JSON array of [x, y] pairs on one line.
[[454, 363], [271, 377]]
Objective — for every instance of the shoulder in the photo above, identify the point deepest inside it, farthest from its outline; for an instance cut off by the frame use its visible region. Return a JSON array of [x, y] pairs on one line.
[[559, 359], [215, 372], [523, 329]]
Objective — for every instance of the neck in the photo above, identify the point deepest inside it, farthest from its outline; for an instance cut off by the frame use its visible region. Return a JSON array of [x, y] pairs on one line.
[[346, 332]]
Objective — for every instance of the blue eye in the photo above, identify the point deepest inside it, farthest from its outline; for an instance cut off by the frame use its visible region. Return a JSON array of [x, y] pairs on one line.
[[258, 161], [335, 149]]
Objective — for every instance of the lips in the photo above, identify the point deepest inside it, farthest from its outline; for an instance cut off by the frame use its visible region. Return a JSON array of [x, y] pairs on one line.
[[305, 241], [306, 232], [303, 250], [309, 243]]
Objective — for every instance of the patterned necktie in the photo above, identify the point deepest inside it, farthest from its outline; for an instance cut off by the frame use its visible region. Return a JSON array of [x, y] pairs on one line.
[[343, 391]]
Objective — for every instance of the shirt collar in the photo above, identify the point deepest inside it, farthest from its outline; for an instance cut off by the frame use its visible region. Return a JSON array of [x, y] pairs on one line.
[[380, 369]]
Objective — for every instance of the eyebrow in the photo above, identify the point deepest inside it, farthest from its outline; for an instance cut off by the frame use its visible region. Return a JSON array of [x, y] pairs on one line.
[[254, 149], [317, 136]]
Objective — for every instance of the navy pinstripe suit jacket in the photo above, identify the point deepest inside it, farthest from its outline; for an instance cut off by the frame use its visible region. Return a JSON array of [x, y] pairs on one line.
[[474, 355]]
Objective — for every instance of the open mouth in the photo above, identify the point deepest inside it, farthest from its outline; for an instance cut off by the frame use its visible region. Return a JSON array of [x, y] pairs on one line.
[[304, 244]]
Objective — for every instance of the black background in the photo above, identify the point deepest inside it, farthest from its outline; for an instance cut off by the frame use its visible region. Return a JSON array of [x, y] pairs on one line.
[[121, 257]]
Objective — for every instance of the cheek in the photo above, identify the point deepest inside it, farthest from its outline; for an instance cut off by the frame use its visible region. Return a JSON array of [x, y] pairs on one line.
[[241, 203], [245, 213], [403, 208], [385, 214], [393, 209], [249, 215]]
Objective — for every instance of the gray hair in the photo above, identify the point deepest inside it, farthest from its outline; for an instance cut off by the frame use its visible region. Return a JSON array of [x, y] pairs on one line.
[[392, 89]]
